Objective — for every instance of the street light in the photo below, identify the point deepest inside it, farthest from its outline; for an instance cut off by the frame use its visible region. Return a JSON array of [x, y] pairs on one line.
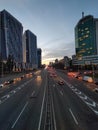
[[2, 70], [93, 71]]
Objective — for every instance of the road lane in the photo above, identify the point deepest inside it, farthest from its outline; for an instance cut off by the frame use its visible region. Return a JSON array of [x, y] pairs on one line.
[[21, 111], [83, 113], [79, 85], [61, 110], [19, 115]]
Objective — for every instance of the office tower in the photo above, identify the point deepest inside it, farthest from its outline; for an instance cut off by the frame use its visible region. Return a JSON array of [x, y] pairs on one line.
[[39, 51], [30, 49], [10, 38], [86, 36]]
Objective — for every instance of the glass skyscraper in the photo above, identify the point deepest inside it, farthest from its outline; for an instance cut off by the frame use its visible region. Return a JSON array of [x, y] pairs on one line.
[[30, 45], [86, 36], [39, 51], [10, 37]]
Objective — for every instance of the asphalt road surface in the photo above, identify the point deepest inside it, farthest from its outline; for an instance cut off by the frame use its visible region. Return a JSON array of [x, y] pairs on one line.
[[38, 102]]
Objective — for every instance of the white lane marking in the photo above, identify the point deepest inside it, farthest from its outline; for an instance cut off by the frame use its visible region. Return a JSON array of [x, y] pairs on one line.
[[83, 97], [95, 111], [53, 85], [19, 115], [6, 96], [71, 86], [73, 117], [91, 104], [19, 88], [42, 106], [61, 93], [79, 92], [75, 89], [32, 94], [14, 91]]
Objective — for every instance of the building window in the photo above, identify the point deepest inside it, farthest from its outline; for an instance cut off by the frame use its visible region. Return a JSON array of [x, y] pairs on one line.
[[88, 32], [86, 36], [83, 44], [86, 28]]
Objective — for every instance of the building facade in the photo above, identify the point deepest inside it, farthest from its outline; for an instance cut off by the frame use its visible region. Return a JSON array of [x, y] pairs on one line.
[[39, 55], [30, 50], [10, 38], [86, 41], [66, 62], [86, 36]]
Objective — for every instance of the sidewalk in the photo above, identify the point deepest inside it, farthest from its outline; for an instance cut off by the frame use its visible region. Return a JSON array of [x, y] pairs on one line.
[[10, 77]]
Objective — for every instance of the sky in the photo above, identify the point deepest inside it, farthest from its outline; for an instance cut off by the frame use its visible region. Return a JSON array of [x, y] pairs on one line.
[[52, 21]]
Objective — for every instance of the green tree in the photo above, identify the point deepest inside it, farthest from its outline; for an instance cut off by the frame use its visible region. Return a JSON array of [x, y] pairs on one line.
[[10, 63]]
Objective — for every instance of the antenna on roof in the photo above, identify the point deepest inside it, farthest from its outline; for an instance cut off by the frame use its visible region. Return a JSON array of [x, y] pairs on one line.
[[82, 14]]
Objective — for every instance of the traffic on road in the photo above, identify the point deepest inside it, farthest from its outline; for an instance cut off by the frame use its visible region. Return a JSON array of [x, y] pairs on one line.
[[48, 99]]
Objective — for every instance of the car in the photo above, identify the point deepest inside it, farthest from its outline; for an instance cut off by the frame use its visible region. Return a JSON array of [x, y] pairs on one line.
[[96, 82], [96, 90], [60, 82], [1, 85], [8, 82], [22, 77]]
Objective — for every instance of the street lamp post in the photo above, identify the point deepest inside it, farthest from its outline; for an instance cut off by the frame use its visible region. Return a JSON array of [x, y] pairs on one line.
[[2, 70], [93, 71]]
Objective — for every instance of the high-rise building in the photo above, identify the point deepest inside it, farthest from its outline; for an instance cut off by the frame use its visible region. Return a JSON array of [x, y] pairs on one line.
[[39, 51], [86, 41], [10, 37], [86, 36], [30, 49]]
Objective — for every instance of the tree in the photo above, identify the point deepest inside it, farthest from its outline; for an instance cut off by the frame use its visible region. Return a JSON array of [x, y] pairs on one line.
[[10, 63]]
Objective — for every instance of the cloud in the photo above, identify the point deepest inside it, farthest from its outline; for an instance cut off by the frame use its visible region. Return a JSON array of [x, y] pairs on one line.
[[59, 52]]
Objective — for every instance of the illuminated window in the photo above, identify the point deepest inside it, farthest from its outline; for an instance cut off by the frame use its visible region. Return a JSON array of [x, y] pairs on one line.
[[86, 28], [88, 32], [86, 36], [83, 44]]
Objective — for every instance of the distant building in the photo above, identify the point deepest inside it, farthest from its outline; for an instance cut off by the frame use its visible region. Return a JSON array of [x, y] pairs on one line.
[[30, 50], [56, 61], [66, 62], [39, 55], [86, 36], [11, 38]]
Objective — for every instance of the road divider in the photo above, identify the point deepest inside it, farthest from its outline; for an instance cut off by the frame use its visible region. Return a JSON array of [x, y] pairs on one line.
[[42, 106]]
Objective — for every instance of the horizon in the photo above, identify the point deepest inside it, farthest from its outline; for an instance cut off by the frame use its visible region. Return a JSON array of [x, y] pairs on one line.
[[53, 23]]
